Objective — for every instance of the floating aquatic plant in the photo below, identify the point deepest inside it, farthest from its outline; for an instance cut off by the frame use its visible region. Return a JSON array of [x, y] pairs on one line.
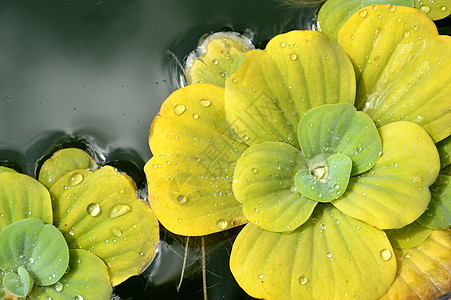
[[89, 233], [317, 180]]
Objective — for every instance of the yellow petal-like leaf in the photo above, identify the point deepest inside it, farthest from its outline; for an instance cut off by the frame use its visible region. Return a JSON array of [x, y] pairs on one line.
[[409, 236], [332, 256], [402, 67], [87, 278], [395, 192], [264, 183], [5, 169], [424, 272], [272, 89], [23, 197], [100, 212], [213, 58], [62, 162], [190, 174]]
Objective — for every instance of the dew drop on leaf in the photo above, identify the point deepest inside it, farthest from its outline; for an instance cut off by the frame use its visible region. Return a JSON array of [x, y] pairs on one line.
[[221, 224], [93, 209], [385, 254], [205, 102], [75, 179], [179, 109], [303, 280], [425, 8], [119, 210], [59, 286], [363, 13]]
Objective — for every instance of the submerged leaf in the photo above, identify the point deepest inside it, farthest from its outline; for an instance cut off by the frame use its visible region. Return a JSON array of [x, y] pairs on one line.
[[334, 13], [190, 174], [263, 182], [402, 67], [87, 278], [331, 256], [395, 191], [23, 197], [409, 236], [212, 60], [272, 89], [38, 248], [438, 213], [424, 272], [62, 162], [102, 214]]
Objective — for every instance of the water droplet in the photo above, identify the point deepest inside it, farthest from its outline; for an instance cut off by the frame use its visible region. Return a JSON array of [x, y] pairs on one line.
[[195, 116], [179, 109], [303, 280], [58, 286], [182, 199], [75, 179], [205, 102], [443, 8], [245, 137], [363, 13], [294, 189], [385, 254], [119, 210], [320, 195], [293, 56], [215, 61], [323, 227], [406, 33], [337, 186], [283, 44], [221, 224], [254, 170], [179, 220], [392, 8], [93, 209], [408, 255], [329, 255], [425, 8], [116, 231], [357, 227], [261, 276], [78, 297]]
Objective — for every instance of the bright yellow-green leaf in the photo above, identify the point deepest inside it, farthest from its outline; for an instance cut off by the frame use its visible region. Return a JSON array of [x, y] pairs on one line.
[[395, 191], [332, 256], [62, 162], [5, 169], [403, 67], [23, 197], [87, 278], [334, 13], [263, 182], [100, 212], [434, 9], [409, 236], [444, 150], [272, 89], [424, 272], [438, 213], [211, 61], [339, 128], [190, 174]]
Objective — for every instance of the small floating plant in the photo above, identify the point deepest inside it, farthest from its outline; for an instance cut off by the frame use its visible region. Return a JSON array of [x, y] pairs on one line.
[[77, 234], [332, 148]]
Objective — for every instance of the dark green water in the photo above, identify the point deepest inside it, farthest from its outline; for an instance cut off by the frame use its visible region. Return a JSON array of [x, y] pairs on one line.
[[93, 74]]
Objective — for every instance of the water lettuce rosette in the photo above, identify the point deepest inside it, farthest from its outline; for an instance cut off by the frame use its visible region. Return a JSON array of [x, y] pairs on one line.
[[326, 151], [77, 234]]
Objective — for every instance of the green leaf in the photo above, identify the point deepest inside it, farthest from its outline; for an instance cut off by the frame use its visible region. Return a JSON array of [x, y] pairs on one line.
[[190, 174], [331, 256], [402, 67], [272, 89], [334, 13], [62, 162], [39, 248], [101, 212], [409, 236], [212, 60], [18, 284], [87, 278], [438, 213], [395, 192], [23, 197], [263, 182], [444, 151], [424, 271], [340, 128], [434, 9], [332, 182]]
